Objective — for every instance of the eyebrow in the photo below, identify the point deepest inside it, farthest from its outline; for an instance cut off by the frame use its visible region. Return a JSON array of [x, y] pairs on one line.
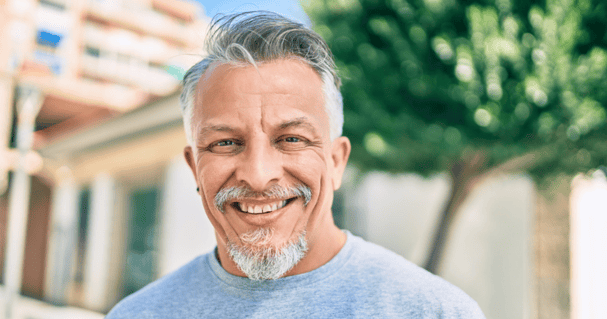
[[297, 122], [300, 121], [215, 128]]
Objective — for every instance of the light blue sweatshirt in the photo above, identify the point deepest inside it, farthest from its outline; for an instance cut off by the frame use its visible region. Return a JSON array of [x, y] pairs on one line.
[[363, 280]]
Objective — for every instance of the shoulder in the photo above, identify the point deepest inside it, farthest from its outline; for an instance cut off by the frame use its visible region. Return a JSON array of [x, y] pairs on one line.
[[399, 280], [170, 291]]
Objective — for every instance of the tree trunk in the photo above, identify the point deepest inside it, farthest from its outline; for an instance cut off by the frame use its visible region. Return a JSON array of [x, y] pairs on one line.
[[464, 175]]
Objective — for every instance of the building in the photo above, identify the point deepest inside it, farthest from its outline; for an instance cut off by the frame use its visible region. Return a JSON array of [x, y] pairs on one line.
[[65, 65]]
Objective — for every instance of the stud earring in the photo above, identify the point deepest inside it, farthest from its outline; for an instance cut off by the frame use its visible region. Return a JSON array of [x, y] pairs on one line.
[[197, 189]]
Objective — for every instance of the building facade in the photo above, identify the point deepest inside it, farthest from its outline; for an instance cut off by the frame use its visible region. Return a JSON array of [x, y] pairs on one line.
[[64, 66]]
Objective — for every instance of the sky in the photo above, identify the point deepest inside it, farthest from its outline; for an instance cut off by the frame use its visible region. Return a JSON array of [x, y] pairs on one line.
[[289, 8]]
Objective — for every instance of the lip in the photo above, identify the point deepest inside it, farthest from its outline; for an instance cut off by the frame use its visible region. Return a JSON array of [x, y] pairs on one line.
[[261, 219]]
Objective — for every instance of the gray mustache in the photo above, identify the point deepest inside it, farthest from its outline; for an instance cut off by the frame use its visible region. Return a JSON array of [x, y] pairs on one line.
[[274, 192]]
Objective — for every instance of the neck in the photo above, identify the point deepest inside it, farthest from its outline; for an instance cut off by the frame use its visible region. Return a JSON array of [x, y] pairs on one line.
[[323, 246]]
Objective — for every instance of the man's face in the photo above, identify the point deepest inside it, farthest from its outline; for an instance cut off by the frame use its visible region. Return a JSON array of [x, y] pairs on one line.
[[259, 129]]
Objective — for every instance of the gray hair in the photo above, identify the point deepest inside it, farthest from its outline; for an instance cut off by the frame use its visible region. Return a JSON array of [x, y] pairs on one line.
[[262, 36]]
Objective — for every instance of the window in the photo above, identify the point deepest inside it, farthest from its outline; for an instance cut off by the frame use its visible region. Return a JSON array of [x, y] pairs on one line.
[[57, 5], [83, 219], [47, 38], [141, 246], [92, 51]]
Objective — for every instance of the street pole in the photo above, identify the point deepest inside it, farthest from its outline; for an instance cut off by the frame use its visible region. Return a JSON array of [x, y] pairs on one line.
[[29, 101]]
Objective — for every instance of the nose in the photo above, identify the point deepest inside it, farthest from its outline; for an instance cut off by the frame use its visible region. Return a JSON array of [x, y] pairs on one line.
[[260, 165]]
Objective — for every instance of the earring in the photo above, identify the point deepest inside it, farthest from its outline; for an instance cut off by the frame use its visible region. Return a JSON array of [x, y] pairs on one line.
[[197, 189]]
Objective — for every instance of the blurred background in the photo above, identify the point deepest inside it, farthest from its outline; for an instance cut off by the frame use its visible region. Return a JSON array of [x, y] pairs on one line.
[[479, 131]]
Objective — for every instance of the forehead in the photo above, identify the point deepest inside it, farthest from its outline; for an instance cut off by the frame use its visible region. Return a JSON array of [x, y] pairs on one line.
[[281, 86]]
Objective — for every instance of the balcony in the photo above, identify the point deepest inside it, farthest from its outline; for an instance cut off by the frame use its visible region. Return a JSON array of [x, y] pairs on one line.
[[143, 47], [146, 21], [130, 72]]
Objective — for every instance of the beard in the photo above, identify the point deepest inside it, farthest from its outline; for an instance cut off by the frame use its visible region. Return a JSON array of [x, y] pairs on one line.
[[256, 258], [262, 262]]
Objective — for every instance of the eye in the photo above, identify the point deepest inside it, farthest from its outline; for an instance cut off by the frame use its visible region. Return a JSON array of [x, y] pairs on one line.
[[224, 147], [291, 143], [225, 143]]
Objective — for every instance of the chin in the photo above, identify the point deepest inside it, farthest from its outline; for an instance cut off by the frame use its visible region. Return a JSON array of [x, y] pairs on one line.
[[259, 259]]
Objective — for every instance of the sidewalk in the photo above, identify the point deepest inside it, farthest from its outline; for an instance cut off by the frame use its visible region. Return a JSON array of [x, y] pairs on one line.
[[28, 308]]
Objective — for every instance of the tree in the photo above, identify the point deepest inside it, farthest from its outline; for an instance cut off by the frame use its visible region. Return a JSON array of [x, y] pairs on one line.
[[473, 87]]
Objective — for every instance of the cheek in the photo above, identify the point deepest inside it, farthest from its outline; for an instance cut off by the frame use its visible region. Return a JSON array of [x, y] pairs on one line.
[[309, 167], [214, 174]]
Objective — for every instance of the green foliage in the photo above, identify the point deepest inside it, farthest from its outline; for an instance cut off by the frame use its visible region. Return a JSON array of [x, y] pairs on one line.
[[426, 81]]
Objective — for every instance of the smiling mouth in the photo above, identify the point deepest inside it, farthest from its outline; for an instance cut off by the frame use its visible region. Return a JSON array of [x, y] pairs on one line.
[[261, 209]]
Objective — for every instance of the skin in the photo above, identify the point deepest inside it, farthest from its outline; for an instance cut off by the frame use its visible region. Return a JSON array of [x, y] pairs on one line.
[[260, 127]]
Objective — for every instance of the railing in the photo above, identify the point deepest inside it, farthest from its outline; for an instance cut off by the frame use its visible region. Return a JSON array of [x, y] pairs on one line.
[[135, 73], [143, 20]]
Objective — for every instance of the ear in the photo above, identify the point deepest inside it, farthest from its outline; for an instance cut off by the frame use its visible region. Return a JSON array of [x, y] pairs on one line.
[[188, 153], [340, 152]]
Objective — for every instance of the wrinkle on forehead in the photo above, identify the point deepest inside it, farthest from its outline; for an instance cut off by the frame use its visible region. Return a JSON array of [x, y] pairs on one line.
[[267, 88]]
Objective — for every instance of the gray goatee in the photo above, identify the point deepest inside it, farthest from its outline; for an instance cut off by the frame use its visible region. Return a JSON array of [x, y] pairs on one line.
[[263, 263]]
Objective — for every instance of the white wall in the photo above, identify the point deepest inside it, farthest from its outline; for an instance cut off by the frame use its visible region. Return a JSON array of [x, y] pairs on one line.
[[398, 212], [589, 246], [185, 229], [98, 244]]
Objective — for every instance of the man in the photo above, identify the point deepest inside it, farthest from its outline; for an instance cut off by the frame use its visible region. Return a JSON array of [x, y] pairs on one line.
[[263, 117]]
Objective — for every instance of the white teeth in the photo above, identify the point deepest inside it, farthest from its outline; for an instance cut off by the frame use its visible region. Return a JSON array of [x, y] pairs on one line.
[[256, 209], [282, 204]]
